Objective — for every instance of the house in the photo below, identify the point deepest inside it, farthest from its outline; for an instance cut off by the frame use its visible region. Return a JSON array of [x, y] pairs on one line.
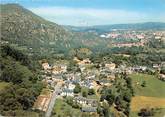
[[68, 89], [67, 92], [82, 68], [140, 36], [143, 68], [111, 77], [89, 109], [157, 37], [76, 59], [139, 68], [71, 86], [45, 66], [102, 36], [162, 77], [85, 101], [162, 64], [156, 66], [105, 82], [73, 78], [76, 80], [87, 61], [129, 70], [110, 66], [84, 61], [87, 83], [91, 77], [58, 69]]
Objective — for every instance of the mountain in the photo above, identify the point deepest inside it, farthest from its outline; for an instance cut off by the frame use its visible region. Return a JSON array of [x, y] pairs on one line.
[[107, 28], [22, 27]]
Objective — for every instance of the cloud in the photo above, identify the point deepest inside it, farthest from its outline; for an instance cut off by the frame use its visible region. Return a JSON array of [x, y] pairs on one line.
[[89, 16]]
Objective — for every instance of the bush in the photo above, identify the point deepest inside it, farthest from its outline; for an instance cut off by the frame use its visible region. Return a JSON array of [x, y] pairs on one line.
[[146, 112], [143, 84]]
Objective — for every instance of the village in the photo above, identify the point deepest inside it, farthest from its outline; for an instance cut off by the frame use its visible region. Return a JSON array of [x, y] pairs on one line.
[[86, 77]]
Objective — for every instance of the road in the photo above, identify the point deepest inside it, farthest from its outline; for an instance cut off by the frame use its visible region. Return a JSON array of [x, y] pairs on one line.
[[53, 99]]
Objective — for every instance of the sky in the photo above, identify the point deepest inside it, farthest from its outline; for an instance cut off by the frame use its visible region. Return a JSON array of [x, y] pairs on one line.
[[96, 12]]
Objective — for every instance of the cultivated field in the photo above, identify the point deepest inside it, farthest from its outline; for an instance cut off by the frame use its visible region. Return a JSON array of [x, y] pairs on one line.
[[150, 96], [144, 102]]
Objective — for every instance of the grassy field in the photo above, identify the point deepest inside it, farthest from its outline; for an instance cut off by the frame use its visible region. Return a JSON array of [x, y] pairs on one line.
[[62, 109], [150, 96], [154, 87], [3, 85]]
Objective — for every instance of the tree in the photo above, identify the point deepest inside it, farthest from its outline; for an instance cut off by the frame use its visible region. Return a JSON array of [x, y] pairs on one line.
[[69, 100], [77, 88], [162, 71], [84, 93], [106, 110], [107, 95], [110, 98], [91, 91], [24, 84], [127, 110], [100, 111], [127, 96], [102, 98], [118, 100]]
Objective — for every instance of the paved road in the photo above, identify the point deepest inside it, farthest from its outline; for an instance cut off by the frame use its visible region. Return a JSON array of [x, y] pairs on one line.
[[53, 99]]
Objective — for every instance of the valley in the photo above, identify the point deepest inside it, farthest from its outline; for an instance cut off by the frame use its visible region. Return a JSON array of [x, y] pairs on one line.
[[51, 70]]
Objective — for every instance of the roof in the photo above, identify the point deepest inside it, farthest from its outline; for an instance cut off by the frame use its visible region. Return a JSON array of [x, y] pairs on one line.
[[93, 102], [89, 109], [68, 90]]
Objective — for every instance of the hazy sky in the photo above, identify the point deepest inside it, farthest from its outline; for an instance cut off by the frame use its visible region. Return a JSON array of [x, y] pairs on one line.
[[96, 12]]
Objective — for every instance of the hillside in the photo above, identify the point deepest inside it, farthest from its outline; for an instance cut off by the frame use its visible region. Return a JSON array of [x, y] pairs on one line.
[[22, 27], [19, 82], [21, 23]]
